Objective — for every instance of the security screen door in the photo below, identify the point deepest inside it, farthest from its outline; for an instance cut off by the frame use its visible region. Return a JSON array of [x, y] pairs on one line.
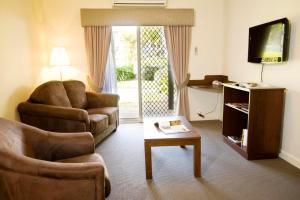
[[144, 78]]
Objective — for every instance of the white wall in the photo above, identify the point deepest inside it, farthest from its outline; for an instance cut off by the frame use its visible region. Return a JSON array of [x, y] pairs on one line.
[[62, 27], [240, 15], [20, 58]]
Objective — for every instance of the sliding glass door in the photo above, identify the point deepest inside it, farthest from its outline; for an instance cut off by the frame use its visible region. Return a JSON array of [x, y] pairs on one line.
[[124, 46]]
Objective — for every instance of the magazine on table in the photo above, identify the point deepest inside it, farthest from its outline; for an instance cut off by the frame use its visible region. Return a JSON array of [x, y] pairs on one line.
[[172, 126]]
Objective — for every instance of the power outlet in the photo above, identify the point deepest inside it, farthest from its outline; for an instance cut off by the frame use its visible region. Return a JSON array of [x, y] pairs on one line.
[[201, 115], [196, 50]]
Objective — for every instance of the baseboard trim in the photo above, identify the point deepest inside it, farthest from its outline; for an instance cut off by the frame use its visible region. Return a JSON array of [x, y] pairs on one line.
[[290, 158]]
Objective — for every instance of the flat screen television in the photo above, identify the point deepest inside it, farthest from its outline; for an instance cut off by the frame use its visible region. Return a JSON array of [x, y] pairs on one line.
[[269, 42]]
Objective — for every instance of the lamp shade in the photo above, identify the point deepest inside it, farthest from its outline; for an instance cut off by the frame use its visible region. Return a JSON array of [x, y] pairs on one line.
[[59, 57]]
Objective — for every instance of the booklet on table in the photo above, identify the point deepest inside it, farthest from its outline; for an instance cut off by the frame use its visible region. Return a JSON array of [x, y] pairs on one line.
[[173, 126]]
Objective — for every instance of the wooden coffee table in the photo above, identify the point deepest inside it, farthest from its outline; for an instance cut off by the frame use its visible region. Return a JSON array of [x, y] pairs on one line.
[[153, 137]]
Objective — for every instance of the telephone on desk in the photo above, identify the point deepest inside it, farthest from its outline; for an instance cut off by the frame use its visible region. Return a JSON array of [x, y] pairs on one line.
[[217, 83], [246, 85]]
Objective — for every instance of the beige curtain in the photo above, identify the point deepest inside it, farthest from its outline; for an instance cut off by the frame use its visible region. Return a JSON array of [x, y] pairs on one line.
[[97, 42], [178, 40]]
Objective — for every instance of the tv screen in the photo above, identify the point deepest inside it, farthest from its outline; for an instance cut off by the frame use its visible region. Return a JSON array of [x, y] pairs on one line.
[[268, 43]]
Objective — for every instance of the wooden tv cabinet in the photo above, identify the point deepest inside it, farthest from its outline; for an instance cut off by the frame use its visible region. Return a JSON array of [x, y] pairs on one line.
[[263, 119]]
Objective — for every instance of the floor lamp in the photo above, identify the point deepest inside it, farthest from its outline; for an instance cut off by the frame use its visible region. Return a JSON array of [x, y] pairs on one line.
[[59, 58]]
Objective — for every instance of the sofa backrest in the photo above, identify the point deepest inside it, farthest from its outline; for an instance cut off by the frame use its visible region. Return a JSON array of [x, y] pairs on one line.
[[51, 93], [76, 93]]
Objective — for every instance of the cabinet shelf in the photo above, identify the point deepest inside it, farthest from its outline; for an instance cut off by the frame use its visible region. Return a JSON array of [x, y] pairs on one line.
[[236, 108]]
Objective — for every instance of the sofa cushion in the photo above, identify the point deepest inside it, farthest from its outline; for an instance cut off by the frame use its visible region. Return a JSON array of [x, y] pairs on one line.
[[98, 123], [51, 93], [111, 112], [91, 158], [76, 93]]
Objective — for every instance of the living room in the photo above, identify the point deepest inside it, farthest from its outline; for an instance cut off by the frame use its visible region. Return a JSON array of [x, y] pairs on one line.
[[30, 29]]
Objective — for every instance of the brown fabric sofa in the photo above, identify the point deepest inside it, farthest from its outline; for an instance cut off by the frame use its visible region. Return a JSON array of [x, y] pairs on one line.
[[65, 106], [36, 164]]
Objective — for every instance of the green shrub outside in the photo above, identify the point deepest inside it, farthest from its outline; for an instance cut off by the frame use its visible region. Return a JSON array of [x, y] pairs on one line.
[[125, 73], [149, 72], [163, 84]]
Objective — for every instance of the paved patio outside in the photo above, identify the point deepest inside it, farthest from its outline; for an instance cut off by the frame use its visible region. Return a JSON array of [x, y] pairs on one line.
[[154, 102]]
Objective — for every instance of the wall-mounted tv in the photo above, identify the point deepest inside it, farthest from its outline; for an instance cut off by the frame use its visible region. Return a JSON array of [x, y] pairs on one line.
[[269, 42]]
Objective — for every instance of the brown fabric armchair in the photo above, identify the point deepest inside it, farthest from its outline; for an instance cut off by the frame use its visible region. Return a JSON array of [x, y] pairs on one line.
[[36, 164], [65, 106]]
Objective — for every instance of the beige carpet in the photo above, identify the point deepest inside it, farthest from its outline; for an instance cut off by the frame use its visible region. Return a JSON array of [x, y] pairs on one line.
[[225, 174]]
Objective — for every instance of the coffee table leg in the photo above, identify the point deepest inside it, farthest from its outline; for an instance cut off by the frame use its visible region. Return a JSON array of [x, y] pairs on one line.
[[148, 161], [197, 159]]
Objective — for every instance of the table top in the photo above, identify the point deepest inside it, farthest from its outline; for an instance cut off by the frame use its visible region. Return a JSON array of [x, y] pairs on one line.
[[151, 132]]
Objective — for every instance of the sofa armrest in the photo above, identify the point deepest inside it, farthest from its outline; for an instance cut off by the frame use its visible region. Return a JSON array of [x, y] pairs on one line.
[[100, 100], [53, 111], [67, 145], [46, 176], [35, 167]]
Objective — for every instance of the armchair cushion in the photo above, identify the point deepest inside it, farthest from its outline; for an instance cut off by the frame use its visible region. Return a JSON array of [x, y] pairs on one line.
[[111, 112], [76, 93], [51, 93]]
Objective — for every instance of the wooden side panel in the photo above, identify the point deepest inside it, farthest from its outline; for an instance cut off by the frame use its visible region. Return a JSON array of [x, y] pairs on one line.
[[265, 122]]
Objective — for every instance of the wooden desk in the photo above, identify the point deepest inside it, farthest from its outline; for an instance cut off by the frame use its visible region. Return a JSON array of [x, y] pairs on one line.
[[206, 83], [153, 137]]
